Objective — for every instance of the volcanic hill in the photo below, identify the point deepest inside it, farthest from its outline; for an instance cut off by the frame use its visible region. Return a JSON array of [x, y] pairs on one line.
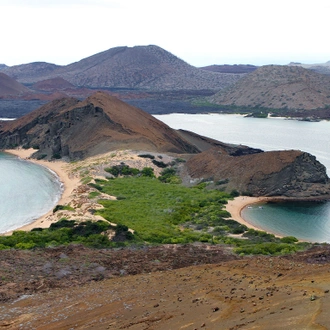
[[140, 67], [77, 129], [278, 87]]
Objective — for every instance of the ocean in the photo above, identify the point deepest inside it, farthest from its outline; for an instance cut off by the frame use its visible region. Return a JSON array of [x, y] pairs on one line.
[[27, 191], [306, 221]]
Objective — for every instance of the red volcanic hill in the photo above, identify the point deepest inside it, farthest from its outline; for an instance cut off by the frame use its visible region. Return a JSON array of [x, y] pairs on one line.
[[10, 87], [76, 129]]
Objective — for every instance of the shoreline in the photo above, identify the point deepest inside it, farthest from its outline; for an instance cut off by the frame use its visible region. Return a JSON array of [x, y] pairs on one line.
[[69, 182], [236, 205]]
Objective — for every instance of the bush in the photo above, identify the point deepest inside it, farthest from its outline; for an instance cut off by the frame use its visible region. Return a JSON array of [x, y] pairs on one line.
[[234, 193], [62, 207], [168, 175], [267, 249], [289, 239], [159, 164], [56, 156], [147, 156], [122, 169], [148, 172]]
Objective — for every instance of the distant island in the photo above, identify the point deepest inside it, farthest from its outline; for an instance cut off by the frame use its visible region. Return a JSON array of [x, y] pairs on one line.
[[159, 82]]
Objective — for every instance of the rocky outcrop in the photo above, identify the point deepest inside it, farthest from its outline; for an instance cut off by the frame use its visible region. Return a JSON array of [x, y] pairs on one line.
[[289, 173], [101, 123]]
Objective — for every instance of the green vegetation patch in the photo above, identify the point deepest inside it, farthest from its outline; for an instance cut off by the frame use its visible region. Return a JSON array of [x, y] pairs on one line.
[[64, 232], [157, 211]]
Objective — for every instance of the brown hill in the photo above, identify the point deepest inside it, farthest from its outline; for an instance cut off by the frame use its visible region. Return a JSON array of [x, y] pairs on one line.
[[77, 129], [275, 173], [278, 87], [140, 67], [10, 87]]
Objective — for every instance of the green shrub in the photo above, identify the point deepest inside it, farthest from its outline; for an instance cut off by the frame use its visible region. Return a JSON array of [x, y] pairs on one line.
[[147, 156], [122, 169], [56, 156], [168, 175], [234, 193], [148, 172], [289, 239], [268, 248], [62, 207], [159, 163]]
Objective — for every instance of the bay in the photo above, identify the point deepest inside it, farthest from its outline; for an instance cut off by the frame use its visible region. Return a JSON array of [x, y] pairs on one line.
[[306, 221], [27, 191]]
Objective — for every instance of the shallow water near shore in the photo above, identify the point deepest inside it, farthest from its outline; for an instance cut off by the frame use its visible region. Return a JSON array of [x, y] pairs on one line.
[[308, 221], [27, 191]]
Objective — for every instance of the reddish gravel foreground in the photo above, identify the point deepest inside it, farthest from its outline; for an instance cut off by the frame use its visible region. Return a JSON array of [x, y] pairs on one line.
[[165, 287]]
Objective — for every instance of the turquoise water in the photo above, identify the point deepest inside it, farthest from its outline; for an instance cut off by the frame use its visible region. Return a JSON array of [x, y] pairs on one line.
[[306, 221], [27, 191]]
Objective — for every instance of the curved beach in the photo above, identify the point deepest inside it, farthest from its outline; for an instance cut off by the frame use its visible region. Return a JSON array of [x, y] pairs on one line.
[[70, 183], [235, 207]]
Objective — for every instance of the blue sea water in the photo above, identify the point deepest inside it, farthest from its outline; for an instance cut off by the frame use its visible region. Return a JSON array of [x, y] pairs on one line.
[[305, 220], [27, 191]]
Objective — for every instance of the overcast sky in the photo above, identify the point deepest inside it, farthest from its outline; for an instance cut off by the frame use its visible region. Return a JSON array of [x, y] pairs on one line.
[[200, 32]]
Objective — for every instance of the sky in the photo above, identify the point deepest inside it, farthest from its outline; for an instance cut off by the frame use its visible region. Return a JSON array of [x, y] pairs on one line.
[[202, 32]]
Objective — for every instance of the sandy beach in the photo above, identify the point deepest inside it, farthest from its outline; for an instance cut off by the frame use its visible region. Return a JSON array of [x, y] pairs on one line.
[[70, 183], [235, 207]]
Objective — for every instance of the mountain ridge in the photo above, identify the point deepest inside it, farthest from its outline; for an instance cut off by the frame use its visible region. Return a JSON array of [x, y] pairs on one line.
[[143, 67]]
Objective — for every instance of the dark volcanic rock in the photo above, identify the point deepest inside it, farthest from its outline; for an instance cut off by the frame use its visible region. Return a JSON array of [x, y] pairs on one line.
[[275, 173]]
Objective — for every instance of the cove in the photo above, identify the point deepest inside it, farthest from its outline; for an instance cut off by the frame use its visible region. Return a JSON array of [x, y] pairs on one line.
[[27, 191], [308, 221]]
